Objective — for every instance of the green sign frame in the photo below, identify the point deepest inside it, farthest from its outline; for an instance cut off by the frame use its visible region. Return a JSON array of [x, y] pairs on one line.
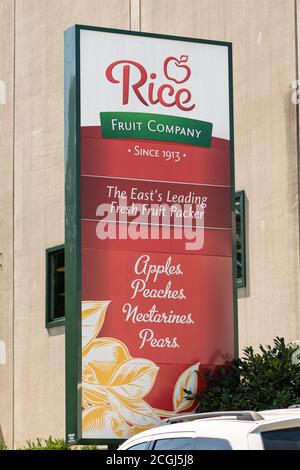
[[72, 219]]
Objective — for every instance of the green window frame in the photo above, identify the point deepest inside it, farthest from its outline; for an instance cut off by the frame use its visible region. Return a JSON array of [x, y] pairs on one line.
[[240, 239], [55, 286]]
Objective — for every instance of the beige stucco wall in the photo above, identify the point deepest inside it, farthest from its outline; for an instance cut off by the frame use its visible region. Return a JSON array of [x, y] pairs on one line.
[[263, 36], [39, 202], [6, 217]]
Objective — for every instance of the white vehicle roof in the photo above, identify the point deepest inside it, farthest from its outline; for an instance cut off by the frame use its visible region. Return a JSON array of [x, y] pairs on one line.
[[234, 429]]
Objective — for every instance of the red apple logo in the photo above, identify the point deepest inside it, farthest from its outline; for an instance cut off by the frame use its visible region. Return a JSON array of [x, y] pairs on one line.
[[177, 70]]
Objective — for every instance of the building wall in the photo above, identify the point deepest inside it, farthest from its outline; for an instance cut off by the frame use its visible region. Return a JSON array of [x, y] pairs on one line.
[[38, 206], [32, 162], [6, 216]]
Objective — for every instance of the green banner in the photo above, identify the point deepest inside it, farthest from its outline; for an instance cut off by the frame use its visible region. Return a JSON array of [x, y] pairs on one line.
[[156, 127]]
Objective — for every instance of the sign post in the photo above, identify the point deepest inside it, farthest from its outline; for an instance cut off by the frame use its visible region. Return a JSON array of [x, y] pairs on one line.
[[150, 236]]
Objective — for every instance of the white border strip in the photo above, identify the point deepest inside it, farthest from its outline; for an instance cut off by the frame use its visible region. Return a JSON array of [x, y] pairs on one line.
[[157, 181]]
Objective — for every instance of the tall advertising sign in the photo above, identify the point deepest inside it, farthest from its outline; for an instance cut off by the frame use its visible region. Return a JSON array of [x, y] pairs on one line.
[[150, 252]]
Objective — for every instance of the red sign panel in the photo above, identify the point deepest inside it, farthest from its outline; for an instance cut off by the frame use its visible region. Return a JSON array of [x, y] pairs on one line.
[[156, 188]]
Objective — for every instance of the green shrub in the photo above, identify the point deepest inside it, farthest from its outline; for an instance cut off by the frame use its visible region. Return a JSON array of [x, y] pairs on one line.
[[54, 444], [46, 444], [269, 379], [89, 447], [3, 446]]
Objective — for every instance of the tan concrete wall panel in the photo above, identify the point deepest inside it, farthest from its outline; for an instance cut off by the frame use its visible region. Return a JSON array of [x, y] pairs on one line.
[[135, 15], [263, 37], [6, 218], [39, 199]]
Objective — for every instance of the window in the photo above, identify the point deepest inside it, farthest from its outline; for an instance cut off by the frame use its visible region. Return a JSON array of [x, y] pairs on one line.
[[208, 443], [240, 238], [191, 443], [177, 443], [55, 286], [141, 446], [282, 439]]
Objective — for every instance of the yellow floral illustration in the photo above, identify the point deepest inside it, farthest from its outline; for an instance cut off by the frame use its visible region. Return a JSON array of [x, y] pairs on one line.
[[99, 419], [114, 384], [93, 314], [187, 381]]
